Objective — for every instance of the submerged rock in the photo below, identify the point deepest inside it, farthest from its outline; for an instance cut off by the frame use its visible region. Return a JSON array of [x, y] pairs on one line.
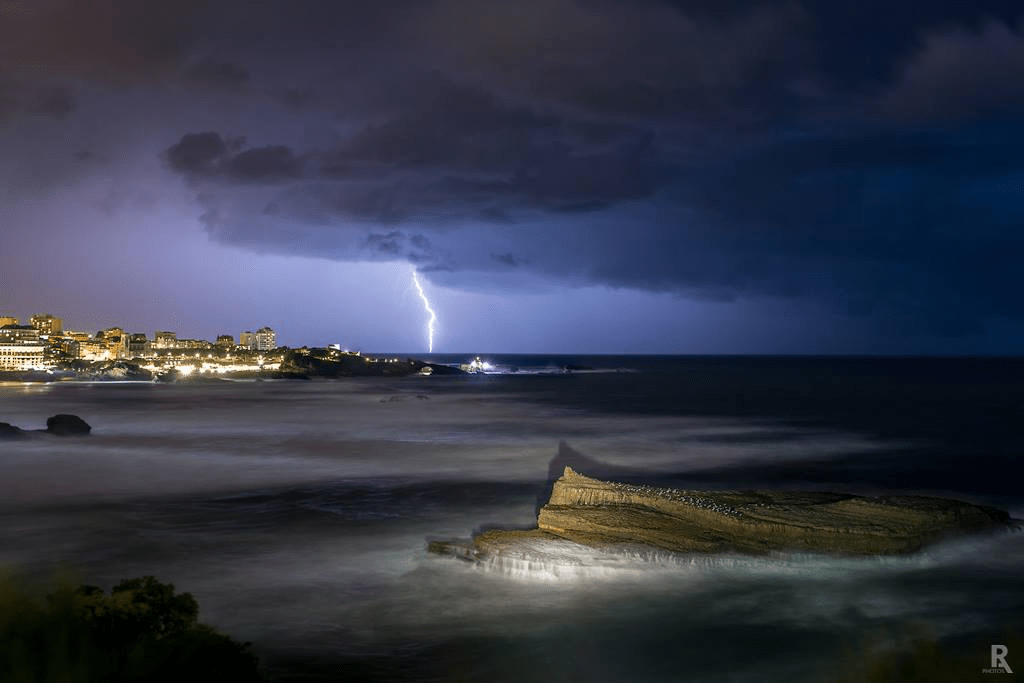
[[609, 515], [67, 425]]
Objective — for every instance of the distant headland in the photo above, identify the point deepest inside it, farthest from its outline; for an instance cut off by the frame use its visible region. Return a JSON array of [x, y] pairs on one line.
[[282, 363], [43, 351]]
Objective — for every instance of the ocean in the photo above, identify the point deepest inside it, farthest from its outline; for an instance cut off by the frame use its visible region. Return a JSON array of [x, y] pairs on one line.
[[298, 512]]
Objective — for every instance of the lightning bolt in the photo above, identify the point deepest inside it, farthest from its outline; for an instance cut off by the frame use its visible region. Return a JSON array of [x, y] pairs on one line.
[[426, 305]]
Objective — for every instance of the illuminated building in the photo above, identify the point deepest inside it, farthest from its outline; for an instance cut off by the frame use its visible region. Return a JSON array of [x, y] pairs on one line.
[[263, 339], [20, 348], [194, 344], [115, 341], [138, 346], [8, 320], [21, 357], [165, 340], [93, 349], [19, 334], [225, 341], [70, 342], [47, 324], [63, 345], [266, 339]]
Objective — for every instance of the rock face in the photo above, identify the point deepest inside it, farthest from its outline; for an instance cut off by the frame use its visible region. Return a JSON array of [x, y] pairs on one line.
[[67, 425], [603, 514]]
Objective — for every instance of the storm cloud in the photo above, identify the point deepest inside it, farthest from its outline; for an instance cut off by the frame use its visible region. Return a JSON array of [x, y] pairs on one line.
[[866, 162]]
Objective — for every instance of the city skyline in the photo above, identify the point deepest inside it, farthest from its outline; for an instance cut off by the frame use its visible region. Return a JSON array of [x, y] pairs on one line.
[[561, 176], [44, 345], [9, 318]]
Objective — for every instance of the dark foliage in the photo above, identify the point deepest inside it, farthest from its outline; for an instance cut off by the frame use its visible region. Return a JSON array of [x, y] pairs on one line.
[[141, 631]]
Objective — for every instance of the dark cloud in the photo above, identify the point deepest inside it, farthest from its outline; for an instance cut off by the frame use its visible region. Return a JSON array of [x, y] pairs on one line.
[[862, 156], [263, 164], [493, 214], [35, 99], [508, 259], [215, 74], [586, 180], [196, 153], [387, 204], [910, 227], [108, 40], [580, 207], [643, 58], [450, 125], [388, 244], [296, 98], [397, 245], [660, 149], [207, 156], [961, 73], [856, 45], [459, 152]]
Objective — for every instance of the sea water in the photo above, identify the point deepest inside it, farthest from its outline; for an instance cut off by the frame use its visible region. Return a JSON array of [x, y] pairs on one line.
[[298, 512]]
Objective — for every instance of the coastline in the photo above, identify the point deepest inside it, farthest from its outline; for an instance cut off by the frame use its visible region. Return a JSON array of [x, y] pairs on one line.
[[295, 365]]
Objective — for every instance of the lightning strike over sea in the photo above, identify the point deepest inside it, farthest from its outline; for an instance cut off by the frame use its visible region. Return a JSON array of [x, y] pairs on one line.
[[426, 305]]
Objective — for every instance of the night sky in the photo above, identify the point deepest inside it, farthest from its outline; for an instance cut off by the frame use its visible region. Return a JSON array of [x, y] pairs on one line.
[[603, 176]]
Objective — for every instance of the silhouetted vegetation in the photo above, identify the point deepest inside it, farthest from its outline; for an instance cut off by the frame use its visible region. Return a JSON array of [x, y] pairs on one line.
[[141, 631]]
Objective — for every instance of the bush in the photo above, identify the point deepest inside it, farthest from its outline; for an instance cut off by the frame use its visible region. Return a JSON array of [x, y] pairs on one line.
[[141, 631]]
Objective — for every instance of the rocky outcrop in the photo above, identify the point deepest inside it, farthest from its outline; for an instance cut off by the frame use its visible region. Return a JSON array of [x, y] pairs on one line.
[[327, 363], [606, 515], [57, 425], [118, 371], [9, 431], [67, 425]]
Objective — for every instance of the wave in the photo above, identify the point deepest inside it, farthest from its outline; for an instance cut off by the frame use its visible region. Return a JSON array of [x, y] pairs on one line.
[[563, 561]]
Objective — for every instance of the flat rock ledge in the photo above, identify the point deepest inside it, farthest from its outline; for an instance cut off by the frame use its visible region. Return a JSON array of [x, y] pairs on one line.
[[608, 516]]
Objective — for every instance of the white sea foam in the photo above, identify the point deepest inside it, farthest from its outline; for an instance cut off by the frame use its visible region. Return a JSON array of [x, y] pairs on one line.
[[546, 560]]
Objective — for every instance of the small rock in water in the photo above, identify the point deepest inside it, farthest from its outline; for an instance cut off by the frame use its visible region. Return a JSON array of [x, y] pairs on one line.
[[9, 431], [67, 425]]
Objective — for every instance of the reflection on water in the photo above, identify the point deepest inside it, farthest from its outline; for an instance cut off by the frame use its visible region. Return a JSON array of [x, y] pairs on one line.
[[297, 514]]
